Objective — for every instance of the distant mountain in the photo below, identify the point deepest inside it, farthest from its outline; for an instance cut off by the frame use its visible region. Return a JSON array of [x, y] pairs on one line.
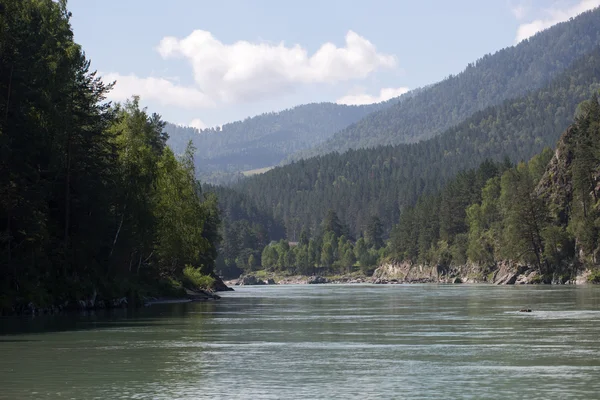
[[507, 74], [383, 181], [267, 139]]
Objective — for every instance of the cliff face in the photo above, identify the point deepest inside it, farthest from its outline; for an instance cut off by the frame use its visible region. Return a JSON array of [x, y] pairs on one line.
[[556, 185]]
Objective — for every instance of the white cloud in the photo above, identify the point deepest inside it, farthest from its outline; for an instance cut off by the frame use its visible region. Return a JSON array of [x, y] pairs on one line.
[[197, 123], [384, 94], [160, 90], [554, 16], [245, 71]]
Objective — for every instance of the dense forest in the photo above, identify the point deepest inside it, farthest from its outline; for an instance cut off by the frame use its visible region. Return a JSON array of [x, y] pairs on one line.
[[543, 213], [98, 200], [267, 139], [245, 230], [360, 184], [509, 73], [94, 204]]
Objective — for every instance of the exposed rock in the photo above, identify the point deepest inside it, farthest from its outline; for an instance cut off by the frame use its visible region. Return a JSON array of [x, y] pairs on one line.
[[503, 273], [405, 273], [220, 286], [582, 278], [293, 280], [527, 278], [316, 280], [247, 280], [270, 281]]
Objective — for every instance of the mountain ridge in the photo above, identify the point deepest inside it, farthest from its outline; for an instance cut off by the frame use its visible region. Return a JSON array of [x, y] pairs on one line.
[[508, 73]]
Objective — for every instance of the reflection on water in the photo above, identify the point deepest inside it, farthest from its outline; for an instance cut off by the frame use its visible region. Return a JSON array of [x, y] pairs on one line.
[[317, 341]]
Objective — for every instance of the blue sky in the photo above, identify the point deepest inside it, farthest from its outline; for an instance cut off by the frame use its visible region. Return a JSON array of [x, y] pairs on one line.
[[208, 63]]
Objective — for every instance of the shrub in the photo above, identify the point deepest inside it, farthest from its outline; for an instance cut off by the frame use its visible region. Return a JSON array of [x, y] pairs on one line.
[[194, 278], [594, 276]]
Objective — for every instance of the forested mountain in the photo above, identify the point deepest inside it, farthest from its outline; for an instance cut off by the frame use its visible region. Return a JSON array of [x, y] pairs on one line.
[[360, 184], [267, 139], [93, 203], [509, 73], [543, 213]]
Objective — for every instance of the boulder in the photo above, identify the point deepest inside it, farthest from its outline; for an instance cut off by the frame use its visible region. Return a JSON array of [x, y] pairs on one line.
[[508, 278], [270, 281]]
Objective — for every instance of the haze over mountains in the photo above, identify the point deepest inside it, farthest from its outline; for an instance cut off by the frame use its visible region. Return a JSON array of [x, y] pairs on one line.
[[314, 129], [268, 139]]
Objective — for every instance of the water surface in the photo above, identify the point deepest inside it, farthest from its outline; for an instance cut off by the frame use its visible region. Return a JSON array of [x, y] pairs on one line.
[[318, 341]]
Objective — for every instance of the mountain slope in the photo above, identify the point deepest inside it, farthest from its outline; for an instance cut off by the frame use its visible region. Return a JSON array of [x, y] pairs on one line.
[[381, 181], [266, 139], [507, 74]]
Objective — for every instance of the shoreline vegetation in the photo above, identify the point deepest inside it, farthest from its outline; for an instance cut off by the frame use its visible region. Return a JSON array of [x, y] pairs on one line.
[[531, 222], [98, 212]]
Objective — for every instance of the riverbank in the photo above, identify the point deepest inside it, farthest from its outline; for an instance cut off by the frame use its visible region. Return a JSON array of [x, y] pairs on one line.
[[273, 278], [505, 273], [134, 296]]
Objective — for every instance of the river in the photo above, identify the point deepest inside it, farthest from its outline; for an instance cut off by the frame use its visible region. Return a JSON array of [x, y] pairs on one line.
[[318, 342]]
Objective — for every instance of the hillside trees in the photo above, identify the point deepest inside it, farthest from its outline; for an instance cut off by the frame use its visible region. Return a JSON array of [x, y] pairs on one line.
[[92, 199]]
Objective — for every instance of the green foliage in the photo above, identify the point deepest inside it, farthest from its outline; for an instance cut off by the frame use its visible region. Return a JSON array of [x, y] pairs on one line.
[[509, 73], [506, 211], [384, 181], [594, 277], [91, 197], [194, 278]]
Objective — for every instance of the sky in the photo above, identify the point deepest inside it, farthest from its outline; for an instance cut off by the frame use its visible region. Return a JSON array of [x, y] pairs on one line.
[[206, 63]]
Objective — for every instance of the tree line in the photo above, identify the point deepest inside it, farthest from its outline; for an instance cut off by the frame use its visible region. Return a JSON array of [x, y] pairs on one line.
[[92, 198], [383, 181], [542, 213]]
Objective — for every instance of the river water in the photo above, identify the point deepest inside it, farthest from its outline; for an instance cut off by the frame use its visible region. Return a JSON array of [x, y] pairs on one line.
[[318, 342]]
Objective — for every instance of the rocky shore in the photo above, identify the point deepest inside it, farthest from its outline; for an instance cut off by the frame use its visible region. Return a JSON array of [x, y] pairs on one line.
[[505, 273], [402, 272], [272, 279]]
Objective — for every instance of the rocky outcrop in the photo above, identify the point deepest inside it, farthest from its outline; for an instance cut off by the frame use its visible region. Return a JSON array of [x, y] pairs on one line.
[[504, 273], [316, 279], [220, 286], [405, 272], [250, 280]]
